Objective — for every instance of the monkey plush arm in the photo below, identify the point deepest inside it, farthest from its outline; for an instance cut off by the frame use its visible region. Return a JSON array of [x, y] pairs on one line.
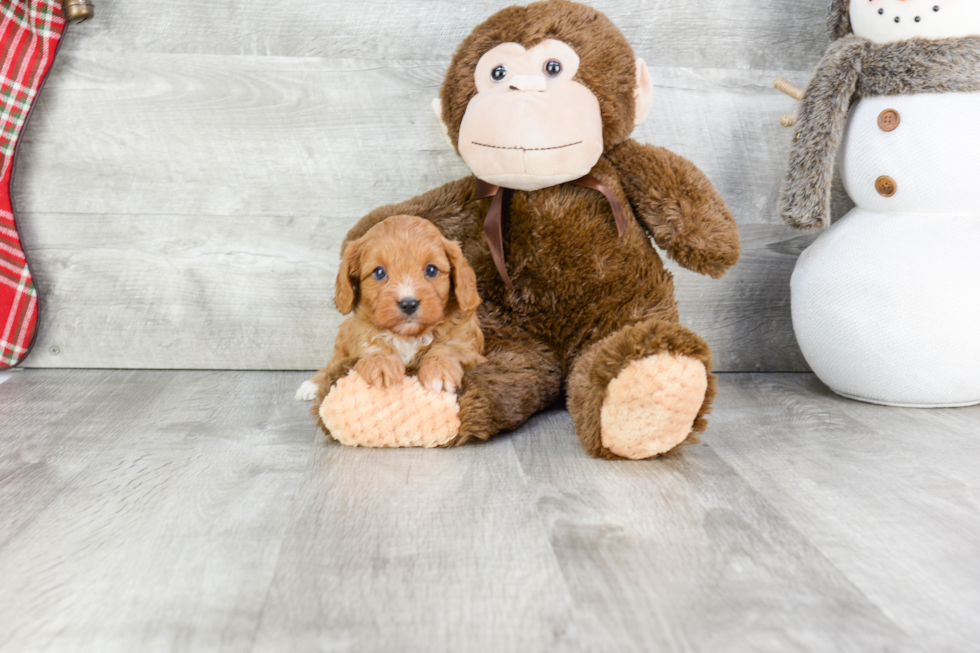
[[679, 206], [450, 207]]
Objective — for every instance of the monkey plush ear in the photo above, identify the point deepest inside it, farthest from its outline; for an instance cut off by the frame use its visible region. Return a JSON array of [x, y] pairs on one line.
[[643, 93], [348, 279], [464, 279], [437, 107]]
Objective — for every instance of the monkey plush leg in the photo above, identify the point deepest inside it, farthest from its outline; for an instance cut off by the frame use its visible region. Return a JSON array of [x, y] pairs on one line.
[[518, 379], [641, 391]]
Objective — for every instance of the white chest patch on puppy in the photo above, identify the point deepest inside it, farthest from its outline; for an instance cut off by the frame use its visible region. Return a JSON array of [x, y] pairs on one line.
[[405, 347]]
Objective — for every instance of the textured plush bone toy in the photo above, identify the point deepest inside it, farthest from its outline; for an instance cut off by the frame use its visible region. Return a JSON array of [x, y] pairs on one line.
[[556, 221], [886, 303]]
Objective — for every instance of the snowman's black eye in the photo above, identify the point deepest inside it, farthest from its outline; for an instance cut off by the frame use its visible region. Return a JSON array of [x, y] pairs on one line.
[[498, 73], [936, 8], [881, 11], [898, 19], [918, 19], [553, 68]]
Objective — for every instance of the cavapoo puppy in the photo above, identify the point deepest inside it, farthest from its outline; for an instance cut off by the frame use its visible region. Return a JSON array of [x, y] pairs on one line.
[[414, 300]]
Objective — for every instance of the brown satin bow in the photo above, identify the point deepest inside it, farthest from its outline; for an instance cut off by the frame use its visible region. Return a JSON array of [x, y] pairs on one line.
[[500, 212]]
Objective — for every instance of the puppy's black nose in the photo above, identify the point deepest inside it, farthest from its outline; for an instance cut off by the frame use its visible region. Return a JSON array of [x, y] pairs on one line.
[[409, 305]]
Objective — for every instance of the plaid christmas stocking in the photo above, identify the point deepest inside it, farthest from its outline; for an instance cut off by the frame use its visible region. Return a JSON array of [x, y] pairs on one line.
[[29, 34]]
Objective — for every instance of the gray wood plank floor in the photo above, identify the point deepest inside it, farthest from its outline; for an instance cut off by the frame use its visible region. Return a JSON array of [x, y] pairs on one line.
[[200, 511]]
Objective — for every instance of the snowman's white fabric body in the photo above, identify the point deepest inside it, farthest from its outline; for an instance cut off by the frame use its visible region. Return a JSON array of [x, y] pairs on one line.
[[886, 302]]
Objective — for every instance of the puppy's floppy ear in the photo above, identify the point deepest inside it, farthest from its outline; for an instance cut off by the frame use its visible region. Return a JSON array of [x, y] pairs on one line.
[[464, 279], [348, 278]]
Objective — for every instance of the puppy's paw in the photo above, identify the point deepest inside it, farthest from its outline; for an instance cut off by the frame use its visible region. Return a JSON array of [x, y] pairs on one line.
[[307, 391], [381, 371], [439, 374]]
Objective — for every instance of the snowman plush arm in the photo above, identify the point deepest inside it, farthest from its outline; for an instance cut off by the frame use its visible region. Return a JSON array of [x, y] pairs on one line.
[[819, 128], [680, 208]]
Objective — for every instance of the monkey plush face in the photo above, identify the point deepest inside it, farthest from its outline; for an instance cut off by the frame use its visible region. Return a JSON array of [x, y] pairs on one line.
[[888, 21], [531, 124], [536, 94]]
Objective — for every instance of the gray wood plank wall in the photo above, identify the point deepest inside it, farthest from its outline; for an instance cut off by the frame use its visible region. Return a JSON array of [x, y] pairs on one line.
[[191, 168]]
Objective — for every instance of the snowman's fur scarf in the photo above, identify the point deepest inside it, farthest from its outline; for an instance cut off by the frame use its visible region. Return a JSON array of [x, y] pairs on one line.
[[839, 18], [805, 198], [855, 67]]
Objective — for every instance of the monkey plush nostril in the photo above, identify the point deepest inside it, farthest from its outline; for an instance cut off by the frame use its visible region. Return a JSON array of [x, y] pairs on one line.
[[408, 305], [528, 83]]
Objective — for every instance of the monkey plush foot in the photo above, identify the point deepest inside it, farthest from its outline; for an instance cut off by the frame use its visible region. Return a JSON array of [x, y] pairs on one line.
[[650, 407], [407, 415], [641, 391]]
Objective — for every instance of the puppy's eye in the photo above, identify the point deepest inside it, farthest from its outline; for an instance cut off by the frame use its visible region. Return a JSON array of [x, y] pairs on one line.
[[379, 274], [552, 68], [431, 271], [498, 73]]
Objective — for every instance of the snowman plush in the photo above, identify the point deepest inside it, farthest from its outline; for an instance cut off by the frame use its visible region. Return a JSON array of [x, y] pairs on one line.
[[886, 302]]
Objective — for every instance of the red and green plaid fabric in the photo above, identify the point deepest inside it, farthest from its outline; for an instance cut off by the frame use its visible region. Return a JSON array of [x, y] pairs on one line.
[[29, 35]]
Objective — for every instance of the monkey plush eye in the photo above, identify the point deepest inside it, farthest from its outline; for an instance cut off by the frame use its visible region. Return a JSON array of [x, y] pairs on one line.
[[379, 274], [553, 68], [431, 271], [498, 73]]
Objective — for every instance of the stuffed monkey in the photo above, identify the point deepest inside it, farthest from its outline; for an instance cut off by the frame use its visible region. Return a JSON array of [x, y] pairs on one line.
[[556, 221]]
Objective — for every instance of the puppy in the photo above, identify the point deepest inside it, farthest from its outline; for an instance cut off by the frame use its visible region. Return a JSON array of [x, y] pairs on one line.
[[414, 301]]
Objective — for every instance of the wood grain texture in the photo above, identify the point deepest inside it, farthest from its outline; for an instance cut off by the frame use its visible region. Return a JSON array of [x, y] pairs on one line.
[[143, 511], [214, 298], [195, 221], [699, 33], [451, 533], [259, 136], [890, 496], [200, 511], [685, 544]]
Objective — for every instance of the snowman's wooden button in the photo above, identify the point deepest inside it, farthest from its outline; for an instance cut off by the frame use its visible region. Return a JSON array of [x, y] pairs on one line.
[[888, 120], [886, 186]]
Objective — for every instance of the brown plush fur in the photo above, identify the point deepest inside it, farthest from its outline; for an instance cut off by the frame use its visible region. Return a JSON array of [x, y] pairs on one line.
[[604, 360], [578, 286], [682, 212], [854, 67]]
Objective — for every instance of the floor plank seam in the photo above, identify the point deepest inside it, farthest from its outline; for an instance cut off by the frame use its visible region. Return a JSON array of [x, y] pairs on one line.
[[789, 525]]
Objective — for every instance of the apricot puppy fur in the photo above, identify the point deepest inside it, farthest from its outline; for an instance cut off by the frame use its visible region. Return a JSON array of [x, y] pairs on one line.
[[414, 301]]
